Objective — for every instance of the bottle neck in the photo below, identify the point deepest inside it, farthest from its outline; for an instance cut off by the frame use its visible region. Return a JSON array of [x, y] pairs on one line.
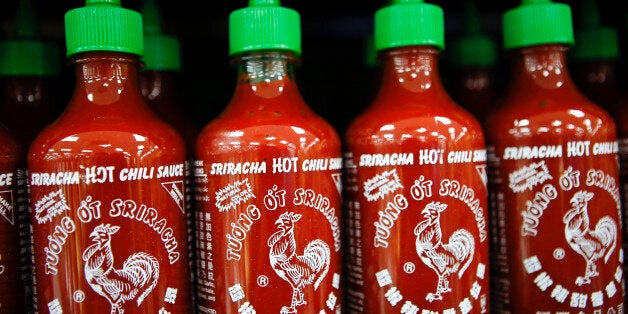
[[410, 70], [266, 74], [106, 78], [541, 67]]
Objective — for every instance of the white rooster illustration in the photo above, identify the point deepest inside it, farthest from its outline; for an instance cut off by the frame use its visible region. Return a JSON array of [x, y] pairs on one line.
[[298, 270], [137, 278], [591, 244], [443, 258]]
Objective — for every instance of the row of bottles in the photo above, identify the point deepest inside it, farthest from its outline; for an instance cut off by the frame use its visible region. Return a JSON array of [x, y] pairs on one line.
[[422, 203]]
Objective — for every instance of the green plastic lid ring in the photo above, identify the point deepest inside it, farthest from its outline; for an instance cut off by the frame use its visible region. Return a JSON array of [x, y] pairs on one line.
[[537, 22], [473, 48], [161, 52], [103, 25], [27, 54], [409, 23], [593, 40], [264, 25]]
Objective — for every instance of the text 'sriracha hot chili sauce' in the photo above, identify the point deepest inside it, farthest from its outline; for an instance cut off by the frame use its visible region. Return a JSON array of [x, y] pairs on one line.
[[159, 82], [107, 183], [29, 69], [268, 182], [555, 201], [15, 283], [472, 59], [416, 181]]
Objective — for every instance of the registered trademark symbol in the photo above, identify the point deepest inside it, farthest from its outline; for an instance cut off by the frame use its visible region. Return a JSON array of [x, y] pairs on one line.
[[559, 253], [409, 267], [78, 296], [262, 281]]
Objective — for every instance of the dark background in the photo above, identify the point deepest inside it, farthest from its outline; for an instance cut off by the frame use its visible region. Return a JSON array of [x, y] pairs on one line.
[[333, 76]]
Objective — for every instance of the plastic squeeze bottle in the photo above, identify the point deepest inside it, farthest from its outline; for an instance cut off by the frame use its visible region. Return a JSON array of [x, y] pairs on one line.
[[106, 182], [416, 181], [268, 174], [159, 82], [159, 78], [555, 202], [15, 283], [473, 60], [29, 69], [594, 59]]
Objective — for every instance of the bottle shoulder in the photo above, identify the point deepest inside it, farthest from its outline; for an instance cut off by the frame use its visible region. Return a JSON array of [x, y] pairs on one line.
[[411, 118], [304, 131], [546, 118], [136, 138]]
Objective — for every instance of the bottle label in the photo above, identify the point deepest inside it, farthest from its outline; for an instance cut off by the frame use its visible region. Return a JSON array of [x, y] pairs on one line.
[[15, 280], [417, 217], [557, 228], [109, 236], [281, 213]]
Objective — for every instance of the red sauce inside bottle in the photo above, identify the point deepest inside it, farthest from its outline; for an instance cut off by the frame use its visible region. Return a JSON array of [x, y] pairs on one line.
[[108, 211], [417, 198]]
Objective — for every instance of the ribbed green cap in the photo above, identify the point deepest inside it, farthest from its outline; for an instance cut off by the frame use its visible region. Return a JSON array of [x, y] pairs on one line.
[[409, 23], [103, 25], [264, 25], [161, 52], [26, 54], [537, 22], [473, 48], [593, 41]]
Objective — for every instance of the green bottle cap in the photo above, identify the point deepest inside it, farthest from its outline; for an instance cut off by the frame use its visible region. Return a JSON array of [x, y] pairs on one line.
[[161, 52], [26, 54], [103, 25], [409, 23], [370, 55], [473, 48], [264, 25], [537, 22], [594, 41]]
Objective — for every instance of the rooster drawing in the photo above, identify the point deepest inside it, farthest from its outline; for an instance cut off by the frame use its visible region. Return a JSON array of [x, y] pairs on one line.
[[298, 270], [443, 258], [137, 278], [591, 244]]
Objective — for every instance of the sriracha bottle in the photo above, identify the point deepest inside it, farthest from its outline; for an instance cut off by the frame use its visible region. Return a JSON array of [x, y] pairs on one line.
[[473, 66], [268, 181], [29, 69], [416, 181], [595, 59], [555, 202], [160, 76], [15, 283], [107, 182]]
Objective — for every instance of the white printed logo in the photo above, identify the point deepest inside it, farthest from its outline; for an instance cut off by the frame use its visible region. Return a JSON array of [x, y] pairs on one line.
[[175, 190], [6, 206], [233, 195], [50, 206], [381, 185], [592, 244], [134, 281], [529, 176], [444, 258], [298, 270]]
